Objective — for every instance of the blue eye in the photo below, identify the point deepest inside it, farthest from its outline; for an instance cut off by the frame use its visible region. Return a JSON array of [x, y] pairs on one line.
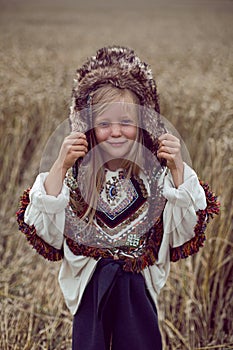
[[126, 122], [103, 124]]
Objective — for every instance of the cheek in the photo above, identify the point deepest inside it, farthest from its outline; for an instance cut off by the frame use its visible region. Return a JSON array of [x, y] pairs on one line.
[[131, 133], [101, 135]]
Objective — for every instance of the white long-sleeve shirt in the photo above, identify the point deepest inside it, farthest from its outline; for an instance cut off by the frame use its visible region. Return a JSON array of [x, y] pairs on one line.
[[47, 214]]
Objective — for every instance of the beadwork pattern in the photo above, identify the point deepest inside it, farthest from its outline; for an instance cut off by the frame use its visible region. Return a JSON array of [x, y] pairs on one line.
[[135, 259], [113, 221]]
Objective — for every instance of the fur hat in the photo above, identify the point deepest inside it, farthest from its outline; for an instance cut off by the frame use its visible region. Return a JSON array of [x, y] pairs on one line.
[[120, 67]]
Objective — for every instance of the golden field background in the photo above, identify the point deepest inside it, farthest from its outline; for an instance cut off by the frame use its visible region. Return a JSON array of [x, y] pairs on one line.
[[189, 47]]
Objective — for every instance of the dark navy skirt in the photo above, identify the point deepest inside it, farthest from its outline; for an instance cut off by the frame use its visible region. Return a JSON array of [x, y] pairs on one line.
[[116, 312]]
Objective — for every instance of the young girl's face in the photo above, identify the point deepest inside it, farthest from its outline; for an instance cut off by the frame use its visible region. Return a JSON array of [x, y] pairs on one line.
[[116, 129]]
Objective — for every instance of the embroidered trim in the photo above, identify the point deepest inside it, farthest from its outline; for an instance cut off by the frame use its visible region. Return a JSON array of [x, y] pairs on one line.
[[43, 248], [125, 223], [191, 247], [147, 252], [133, 201], [93, 235]]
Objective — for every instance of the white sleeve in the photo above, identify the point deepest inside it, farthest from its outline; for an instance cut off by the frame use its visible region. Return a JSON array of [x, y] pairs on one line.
[[179, 215], [46, 212], [179, 220]]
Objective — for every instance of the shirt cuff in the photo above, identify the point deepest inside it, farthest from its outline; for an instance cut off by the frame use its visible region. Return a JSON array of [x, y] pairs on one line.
[[47, 203], [189, 193]]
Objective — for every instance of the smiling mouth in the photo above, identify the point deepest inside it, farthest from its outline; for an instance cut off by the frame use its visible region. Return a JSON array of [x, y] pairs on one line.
[[117, 144]]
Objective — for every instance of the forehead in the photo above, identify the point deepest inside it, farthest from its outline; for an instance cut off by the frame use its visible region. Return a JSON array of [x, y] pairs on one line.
[[123, 107]]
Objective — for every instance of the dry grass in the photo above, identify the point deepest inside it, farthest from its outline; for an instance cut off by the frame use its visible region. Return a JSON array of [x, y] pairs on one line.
[[189, 46]]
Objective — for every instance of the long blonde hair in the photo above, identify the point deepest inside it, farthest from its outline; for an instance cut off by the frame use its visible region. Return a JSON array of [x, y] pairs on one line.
[[94, 167]]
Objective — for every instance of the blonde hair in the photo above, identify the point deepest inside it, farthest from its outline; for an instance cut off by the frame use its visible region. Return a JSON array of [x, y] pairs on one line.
[[94, 174]]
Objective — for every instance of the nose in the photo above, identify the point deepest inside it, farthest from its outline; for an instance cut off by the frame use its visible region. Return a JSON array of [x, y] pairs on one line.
[[115, 130]]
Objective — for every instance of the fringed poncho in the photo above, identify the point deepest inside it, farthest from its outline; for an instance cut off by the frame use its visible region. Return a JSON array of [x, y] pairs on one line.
[[177, 231]]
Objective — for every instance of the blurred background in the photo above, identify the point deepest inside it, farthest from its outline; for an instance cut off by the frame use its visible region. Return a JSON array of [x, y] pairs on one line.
[[190, 49]]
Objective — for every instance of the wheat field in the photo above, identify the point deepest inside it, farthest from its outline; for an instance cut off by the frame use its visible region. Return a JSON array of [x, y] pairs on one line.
[[190, 49]]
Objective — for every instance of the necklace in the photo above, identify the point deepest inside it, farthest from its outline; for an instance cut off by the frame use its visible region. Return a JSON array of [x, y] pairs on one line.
[[113, 190]]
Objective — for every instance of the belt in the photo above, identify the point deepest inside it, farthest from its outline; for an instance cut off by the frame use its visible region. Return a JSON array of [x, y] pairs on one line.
[[109, 271]]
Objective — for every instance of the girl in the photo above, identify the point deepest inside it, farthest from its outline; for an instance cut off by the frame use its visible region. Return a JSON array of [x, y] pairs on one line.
[[117, 206]]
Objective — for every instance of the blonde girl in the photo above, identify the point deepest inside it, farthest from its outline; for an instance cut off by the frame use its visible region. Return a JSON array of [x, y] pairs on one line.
[[118, 204]]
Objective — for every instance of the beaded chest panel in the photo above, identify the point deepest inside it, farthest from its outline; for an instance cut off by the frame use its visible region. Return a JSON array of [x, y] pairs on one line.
[[124, 214], [119, 199]]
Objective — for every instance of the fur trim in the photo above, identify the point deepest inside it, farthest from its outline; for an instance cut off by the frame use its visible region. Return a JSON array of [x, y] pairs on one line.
[[43, 248], [120, 67]]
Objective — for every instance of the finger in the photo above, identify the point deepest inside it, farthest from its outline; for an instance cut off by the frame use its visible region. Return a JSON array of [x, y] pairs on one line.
[[169, 143], [77, 148], [167, 136], [72, 159], [78, 154], [167, 156], [169, 150], [77, 135], [76, 141], [80, 142], [172, 160]]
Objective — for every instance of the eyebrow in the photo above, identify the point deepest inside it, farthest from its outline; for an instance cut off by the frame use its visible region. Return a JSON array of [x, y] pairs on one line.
[[128, 116]]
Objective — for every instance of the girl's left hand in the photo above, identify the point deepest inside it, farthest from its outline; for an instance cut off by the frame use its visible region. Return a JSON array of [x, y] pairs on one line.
[[170, 149]]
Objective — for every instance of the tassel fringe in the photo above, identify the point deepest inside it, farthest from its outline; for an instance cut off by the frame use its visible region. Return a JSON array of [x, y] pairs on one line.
[[191, 247], [150, 248], [47, 251]]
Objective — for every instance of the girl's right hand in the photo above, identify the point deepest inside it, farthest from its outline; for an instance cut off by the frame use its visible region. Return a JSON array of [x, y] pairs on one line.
[[73, 147]]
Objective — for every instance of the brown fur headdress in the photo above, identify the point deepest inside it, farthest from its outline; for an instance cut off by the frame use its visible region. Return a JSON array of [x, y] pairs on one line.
[[120, 67]]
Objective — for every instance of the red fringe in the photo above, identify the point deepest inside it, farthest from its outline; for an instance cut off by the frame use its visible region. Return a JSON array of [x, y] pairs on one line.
[[149, 252], [43, 248], [191, 247]]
